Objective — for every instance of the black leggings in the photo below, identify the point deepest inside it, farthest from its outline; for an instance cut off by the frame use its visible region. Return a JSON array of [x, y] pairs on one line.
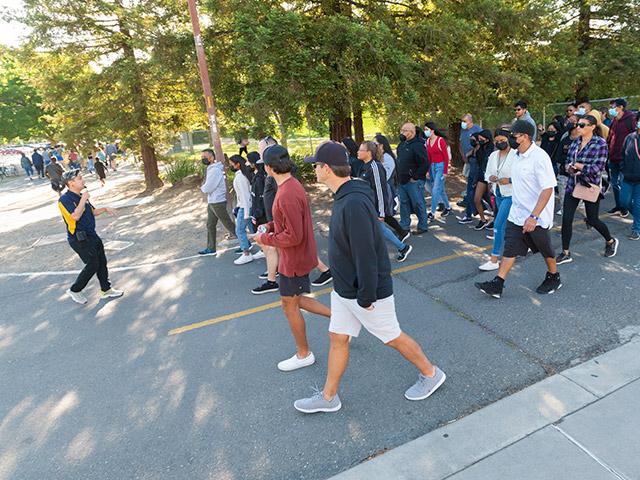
[[393, 223], [569, 211]]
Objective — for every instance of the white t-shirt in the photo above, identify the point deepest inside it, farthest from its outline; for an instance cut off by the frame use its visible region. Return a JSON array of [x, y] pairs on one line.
[[531, 173], [501, 168]]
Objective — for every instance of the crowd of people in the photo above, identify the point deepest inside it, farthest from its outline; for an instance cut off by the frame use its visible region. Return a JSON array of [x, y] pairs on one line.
[[49, 162], [512, 183]]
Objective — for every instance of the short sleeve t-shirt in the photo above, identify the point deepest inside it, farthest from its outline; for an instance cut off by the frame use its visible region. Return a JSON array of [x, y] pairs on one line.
[[531, 173], [87, 222]]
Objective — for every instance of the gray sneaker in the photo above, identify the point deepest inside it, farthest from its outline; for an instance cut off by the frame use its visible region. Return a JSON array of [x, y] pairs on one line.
[[77, 297], [425, 386], [317, 403]]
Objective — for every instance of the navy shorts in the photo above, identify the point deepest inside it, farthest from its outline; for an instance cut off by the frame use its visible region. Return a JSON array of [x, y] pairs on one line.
[[294, 286]]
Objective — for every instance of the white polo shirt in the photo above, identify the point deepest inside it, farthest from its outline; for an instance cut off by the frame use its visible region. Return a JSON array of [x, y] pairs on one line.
[[531, 173]]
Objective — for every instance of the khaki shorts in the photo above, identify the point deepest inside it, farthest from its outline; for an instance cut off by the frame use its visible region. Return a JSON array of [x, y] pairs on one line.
[[347, 318]]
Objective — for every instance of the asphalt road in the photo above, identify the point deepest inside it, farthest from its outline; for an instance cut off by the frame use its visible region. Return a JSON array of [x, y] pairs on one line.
[[103, 391]]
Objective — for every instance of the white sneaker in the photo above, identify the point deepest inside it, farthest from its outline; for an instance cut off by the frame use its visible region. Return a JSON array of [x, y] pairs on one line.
[[489, 266], [112, 293], [242, 259], [295, 363], [77, 297], [259, 255]]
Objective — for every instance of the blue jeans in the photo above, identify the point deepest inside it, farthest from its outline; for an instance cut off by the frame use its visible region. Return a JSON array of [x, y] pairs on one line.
[[241, 230], [412, 199], [29, 171], [615, 177], [630, 199], [438, 191], [500, 223], [471, 189], [391, 237]]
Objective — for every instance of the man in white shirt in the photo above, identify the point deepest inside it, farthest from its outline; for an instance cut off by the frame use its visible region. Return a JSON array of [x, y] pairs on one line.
[[531, 215], [215, 186]]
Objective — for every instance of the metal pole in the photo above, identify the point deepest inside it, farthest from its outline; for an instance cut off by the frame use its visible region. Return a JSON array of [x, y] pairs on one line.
[[206, 84]]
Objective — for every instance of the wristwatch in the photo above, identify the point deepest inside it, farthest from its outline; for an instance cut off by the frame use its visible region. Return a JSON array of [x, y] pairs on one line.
[[534, 217]]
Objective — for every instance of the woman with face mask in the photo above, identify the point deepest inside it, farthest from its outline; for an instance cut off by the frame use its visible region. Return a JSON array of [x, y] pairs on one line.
[[551, 144], [498, 174], [483, 148], [438, 168]]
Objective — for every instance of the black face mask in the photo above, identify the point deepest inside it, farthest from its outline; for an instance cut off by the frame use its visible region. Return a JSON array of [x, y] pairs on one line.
[[502, 145], [473, 142], [483, 142], [232, 168], [403, 138], [551, 134], [204, 160], [513, 143]]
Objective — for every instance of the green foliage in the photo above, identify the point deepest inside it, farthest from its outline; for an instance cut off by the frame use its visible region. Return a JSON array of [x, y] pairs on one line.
[[304, 171], [178, 169]]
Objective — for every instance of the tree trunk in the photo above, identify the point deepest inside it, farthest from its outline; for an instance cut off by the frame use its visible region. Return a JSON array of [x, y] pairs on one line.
[[283, 130], [141, 116], [339, 127], [454, 142], [358, 128], [584, 45]]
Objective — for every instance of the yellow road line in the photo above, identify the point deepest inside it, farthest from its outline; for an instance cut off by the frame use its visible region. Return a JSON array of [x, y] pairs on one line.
[[318, 293]]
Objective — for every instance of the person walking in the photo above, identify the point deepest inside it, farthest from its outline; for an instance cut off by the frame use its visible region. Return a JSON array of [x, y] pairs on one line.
[[242, 187], [467, 129], [79, 217], [100, 167], [54, 172], [291, 231], [630, 169], [388, 160], [624, 123], [563, 177], [215, 187], [521, 111], [363, 288], [26, 164], [483, 145], [438, 153], [354, 161], [531, 215], [551, 143], [498, 175], [586, 163], [38, 163], [413, 165], [374, 174]]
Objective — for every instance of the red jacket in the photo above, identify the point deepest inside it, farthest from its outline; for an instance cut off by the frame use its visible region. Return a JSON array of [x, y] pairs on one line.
[[618, 131], [291, 230]]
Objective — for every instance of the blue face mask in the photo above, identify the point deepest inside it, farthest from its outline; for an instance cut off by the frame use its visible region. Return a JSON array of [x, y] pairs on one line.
[[427, 133], [582, 111], [463, 125], [613, 112]]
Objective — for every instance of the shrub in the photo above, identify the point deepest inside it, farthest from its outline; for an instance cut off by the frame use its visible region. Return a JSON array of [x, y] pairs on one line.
[[180, 168], [304, 171]]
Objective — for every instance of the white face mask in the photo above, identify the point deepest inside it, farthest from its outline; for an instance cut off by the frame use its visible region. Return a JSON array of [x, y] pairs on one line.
[[464, 125], [427, 133], [582, 111]]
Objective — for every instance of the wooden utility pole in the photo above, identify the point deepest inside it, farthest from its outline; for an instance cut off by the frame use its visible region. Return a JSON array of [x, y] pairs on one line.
[[206, 84]]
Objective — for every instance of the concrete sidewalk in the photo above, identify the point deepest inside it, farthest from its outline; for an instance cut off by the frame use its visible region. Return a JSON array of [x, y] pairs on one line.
[[580, 424]]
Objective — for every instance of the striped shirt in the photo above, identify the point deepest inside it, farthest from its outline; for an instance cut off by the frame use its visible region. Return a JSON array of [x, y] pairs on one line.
[[594, 158]]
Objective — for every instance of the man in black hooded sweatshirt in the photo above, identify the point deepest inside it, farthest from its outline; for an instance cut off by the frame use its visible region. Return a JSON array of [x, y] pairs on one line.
[[363, 290]]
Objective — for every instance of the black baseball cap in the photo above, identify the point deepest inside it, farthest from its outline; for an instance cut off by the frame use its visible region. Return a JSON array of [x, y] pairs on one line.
[[330, 153], [620, 102], [522, 126], [275, 154]]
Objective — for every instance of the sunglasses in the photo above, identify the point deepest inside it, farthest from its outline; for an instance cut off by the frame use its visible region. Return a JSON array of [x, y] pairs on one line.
[[517, 109], [582, 125]]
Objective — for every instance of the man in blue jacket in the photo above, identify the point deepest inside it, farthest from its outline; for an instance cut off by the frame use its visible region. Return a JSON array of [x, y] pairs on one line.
[[363, 290]]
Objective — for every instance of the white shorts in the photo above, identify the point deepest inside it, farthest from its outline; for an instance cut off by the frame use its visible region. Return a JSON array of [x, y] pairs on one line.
[[347, 318]]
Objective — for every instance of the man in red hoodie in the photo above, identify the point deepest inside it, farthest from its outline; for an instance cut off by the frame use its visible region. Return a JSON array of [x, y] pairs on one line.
[[291, 232], [623, 124]]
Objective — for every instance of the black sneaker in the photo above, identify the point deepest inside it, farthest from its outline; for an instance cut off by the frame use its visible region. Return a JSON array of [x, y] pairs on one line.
[[445, 213], [489, 225], [419, 231], [481, 224], [404, 236], [440, 207], [493, 288], [464, 220], [634, 236], [323, 279], [563, 258], [430, 217], [265, 275], [551, 284], [613, 211], [624, 213], [404, 253], [266, 287], [461, 203], [611, 249]]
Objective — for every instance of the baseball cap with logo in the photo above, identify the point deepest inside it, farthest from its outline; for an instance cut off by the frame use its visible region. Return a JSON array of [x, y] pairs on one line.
[[330, 153]]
